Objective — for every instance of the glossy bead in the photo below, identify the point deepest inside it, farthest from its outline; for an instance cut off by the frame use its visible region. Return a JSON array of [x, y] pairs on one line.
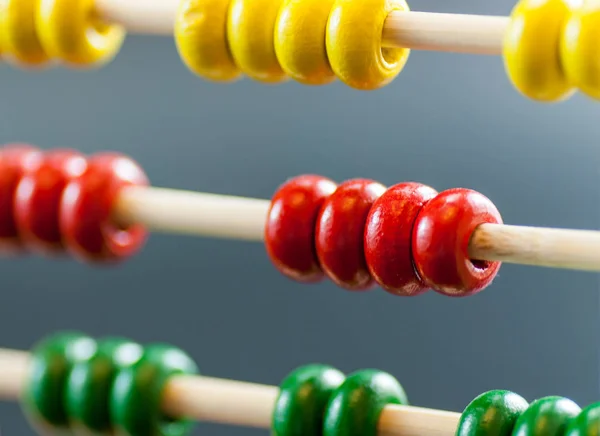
[[18, 33], [580, 48], [440, 244], [303, 397], [38, 196], [300, 40], [71, 31], [549, 416], [493, 413], [290, 228], [531, 50], [340, 230], [85, 220], [355, 407], [201, 39], [388, 238], [51, 363], [354, 33], [251, 36], [90, 381], [15, 159], [135, 400], [587, 423]]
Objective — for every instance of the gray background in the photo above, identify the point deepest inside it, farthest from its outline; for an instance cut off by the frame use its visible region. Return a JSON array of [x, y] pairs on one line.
[[448, 120]]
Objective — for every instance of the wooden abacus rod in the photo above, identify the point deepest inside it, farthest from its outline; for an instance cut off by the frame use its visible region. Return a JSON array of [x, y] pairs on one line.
[[193, 213], [456, 33], [239, 403]]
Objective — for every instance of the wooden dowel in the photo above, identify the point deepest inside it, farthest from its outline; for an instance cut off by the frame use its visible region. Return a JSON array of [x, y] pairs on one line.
[[13, 373], [221, 216], [537, 246], [457, 33], [239, 403]]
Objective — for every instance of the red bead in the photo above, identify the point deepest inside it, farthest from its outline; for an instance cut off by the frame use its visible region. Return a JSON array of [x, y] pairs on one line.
[[38, 197], [388, 238], [88, 228], [340, 233], [441, 237], [290, 228], [14, 160]]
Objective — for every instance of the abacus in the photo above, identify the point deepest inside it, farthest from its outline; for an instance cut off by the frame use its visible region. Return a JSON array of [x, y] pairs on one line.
[[405, 239]]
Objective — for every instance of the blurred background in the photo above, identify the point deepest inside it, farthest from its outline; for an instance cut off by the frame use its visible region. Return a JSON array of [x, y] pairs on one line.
[[448, 121]]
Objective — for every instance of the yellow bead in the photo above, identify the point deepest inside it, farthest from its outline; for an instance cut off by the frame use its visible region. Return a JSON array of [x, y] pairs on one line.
[[580, 49], [18, 33], [354, 43], [250, 30], [69, 30], [531, 50], [300, 40], [201, 38]]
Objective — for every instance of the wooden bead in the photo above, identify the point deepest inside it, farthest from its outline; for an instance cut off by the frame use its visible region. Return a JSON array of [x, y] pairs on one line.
[[251, 37], [20, 40], [388, 238], [70, 31], [51, 363], [340, 233], [302, 400], [290, 227], [549, 416], [493, 413], [87, 391], [38, 196], [355, 407], [531, 49], [135, 400], [85, 214], [14, 161], [201, 39], [440, 244], [353, 43], [586, 423], [579, 48], [300, 41]]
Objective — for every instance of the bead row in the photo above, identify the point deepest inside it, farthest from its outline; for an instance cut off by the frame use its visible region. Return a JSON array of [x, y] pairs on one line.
[[35, 32], [311, 41], [60, 201], [407, 239], [82, 385], [551, 48], [504, 413], [115, 385]]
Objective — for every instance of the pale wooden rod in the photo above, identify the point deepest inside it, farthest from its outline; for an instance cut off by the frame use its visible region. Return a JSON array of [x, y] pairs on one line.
[[458, 33], [239, 403], [229, 217]]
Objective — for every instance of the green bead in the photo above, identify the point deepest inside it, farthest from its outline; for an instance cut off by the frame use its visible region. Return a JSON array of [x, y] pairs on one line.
[[587, 422], [51, 362], [548, 416], [493, 413], [355, 406], [135, 403], [302, 400], [89, 384]]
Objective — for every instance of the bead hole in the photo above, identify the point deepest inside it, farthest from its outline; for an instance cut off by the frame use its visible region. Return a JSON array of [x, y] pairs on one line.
[[480, 265]]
